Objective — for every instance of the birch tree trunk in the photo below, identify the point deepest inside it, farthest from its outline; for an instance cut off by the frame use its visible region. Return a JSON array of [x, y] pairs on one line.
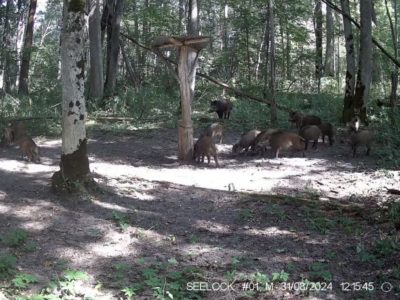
[[364, 75], [96, 81], [318, 43], [329, 50], [26, 50], [350, 64], [74, 166]]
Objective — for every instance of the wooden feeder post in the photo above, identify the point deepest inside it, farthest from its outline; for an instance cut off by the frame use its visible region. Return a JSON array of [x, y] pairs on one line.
[[186, 71]]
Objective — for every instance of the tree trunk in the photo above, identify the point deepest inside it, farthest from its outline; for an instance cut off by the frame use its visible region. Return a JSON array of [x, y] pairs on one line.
[[7, 48], [113, 34], [329, 50], [394, 75], [318, 43], [192, 30], [185, 141], [350, 64], [74, 166], [26, 50], [272, 61], [96, 80], [365, 62]]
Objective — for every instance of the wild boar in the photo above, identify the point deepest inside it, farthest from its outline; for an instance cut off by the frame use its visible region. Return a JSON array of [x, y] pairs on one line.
[[327, 129], [286, 140], [205, 147], [361, 138], [28, 148], [302, 120], [262, 140], [246, 140], [310, 133], [214, 130], [222, 107]]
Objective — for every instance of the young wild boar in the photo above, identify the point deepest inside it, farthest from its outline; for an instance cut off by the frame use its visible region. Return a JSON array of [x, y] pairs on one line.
[[327, 129], [246, 140], [284, 141], [28, 148], [214, 130], [310, 133], [8, 135], [262, 140], [222, 107], [205, 147], [302, 120], [361, 138]]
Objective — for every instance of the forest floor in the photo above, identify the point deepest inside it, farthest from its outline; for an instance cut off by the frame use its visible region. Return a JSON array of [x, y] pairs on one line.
[[255, 228]]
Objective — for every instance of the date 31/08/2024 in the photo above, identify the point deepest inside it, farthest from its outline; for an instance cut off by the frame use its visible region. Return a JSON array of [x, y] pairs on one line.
[[311, 286]]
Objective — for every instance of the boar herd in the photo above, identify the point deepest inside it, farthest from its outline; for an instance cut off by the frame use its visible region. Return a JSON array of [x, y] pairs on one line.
[[16, 133], [309, 129]]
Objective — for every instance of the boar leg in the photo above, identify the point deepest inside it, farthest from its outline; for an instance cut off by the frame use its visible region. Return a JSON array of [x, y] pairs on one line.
[[354, 150], [216, 161], [368, 149], [208, 158], [306, 145], [315, 145], [220, 114]]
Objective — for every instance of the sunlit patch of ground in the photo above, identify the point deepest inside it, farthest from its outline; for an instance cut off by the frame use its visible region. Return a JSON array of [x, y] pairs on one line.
[[185, 213]]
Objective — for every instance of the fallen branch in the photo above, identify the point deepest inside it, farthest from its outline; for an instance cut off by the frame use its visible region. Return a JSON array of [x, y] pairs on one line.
[[393, 191]]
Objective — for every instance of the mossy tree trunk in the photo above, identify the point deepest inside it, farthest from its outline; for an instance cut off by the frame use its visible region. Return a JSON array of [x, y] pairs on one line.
[[74, 165]]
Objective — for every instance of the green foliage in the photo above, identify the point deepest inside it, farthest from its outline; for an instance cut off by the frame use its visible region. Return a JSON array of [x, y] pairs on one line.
[[22, 281], [394, 214], [386, 247], [165, 281], [121, 220], [246, 214], [282, 276], [320, 272], [7, 265], [15, 238]]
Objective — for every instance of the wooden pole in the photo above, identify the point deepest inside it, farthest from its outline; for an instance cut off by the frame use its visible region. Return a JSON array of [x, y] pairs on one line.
[[185, 125]]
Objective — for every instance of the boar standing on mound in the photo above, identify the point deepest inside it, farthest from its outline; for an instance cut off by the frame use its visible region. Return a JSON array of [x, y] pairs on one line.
[[28, 148], [286, 140], [310, 133], [222, 107], [302, 120], [246, 140], [327, 129], [214, 130], [205, 147]]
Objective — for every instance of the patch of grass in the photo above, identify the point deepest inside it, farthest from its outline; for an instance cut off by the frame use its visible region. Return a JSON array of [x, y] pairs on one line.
[[364, 255], [22, 281], [317, 222], [385, 248], [394, 214], [30, 246], [121, 220], [282, 276], [120, 273], [246, 214], [165, 281], [320, 272], [275, 210], [15, 238], [7, 265]]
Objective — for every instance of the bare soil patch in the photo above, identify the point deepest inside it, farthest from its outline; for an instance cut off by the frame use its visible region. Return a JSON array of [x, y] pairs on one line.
[[253, 221]]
